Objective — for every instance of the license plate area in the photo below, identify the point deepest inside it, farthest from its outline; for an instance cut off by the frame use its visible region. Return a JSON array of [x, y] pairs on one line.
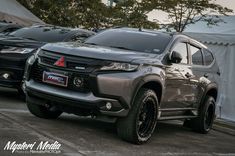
[[55, 79]]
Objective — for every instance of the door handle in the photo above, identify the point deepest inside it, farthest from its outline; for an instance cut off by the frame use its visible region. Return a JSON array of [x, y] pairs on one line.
[[188, 75]]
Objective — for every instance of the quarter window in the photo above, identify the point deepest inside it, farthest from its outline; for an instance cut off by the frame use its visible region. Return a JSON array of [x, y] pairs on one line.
[[182, 49], [208, 57], [196, 55]]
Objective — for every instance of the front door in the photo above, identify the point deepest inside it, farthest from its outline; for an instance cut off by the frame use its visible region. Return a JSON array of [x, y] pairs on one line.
[[178, 89]]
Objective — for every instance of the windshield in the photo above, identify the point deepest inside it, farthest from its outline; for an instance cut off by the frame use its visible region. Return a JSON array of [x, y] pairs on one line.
[[148, 42], [42, 33]]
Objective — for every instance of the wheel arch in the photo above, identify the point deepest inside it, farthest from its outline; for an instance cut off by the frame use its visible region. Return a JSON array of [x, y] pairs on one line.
[[153, 83], [211, 90], [156, 87]]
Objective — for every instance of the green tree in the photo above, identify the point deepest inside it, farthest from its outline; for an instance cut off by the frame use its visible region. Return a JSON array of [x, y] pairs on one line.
[[182, 13], [71, 13], [52, 12], [132, 13]]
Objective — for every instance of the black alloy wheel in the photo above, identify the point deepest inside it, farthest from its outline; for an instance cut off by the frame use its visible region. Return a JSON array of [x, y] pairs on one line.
[[141, 121]]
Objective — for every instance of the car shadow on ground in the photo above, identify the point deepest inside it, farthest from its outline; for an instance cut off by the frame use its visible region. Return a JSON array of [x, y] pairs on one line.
[[163, 128], [10, 98]]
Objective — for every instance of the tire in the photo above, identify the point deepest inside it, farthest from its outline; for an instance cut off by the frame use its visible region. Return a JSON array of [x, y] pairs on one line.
[[203, 123], [22, 94], [141, 121], [20, 91], [42, 111]]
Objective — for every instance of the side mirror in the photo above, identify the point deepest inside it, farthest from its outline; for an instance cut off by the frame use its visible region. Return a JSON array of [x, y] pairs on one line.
[[176, 57]]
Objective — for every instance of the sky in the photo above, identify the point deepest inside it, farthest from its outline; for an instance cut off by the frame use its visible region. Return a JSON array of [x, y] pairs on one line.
[[162, 17]]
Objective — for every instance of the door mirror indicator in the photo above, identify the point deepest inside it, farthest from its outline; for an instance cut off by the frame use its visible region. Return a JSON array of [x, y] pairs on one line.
[[175, 57]]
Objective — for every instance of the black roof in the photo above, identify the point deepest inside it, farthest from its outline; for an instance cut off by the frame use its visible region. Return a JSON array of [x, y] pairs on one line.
[[48, 33]]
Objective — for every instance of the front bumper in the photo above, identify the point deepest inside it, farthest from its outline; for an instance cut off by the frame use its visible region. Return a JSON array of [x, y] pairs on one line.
[[15, 76], [40, 94], [13, 65], [10, 83]]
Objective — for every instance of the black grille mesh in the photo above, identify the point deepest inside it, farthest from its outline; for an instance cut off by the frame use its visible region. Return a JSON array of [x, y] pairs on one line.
[[37, 74]]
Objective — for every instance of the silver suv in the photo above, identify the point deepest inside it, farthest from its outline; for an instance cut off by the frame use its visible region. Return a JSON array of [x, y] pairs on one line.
[[130, 76]]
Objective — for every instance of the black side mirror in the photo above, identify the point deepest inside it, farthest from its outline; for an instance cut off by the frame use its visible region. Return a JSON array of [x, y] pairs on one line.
[[176, 57]]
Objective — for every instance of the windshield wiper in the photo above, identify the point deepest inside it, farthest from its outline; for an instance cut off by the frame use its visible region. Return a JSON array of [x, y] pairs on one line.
[[29, 38], [120, 47], [91, 43]]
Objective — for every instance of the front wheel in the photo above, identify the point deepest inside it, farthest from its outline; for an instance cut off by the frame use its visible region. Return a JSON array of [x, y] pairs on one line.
[[141, 121], [21, 94]]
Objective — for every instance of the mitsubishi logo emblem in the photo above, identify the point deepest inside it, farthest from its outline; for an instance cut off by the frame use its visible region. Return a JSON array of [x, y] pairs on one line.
[[60, 62]]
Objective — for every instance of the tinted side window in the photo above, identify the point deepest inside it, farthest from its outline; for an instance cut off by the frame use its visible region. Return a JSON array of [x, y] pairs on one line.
[[196, 55], [182, 49], [208, 57]]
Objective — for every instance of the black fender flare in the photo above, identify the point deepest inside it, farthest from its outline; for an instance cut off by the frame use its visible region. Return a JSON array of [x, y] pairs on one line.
[[150, 78], [208, 88]]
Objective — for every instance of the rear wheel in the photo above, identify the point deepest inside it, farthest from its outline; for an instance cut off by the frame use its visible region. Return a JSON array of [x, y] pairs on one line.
[[203, 123], [140, 123], [43, 111]]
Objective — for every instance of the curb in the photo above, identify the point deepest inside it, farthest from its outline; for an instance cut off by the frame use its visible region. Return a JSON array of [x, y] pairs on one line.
[[224, 126]]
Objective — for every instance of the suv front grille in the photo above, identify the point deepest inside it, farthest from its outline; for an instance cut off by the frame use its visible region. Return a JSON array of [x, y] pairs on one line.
[[37, 74], [73, 63], [49, 61]]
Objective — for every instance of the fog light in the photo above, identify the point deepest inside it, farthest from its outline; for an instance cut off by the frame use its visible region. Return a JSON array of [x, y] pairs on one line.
[[108, 105], [6, 76], [78, 82]]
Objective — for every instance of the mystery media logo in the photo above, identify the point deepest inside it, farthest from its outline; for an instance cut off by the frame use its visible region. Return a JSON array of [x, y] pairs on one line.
[[34, 147]]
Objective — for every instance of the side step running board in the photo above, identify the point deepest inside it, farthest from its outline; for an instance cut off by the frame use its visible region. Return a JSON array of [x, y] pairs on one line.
[[176, 117], [176, 109]]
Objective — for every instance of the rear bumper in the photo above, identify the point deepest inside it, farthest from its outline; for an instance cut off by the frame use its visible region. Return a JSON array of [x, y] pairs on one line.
[[40, 94]]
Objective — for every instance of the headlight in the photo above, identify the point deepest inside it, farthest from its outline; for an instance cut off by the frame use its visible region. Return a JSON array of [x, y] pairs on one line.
[[17, 50], [120, 66], [32, 58]]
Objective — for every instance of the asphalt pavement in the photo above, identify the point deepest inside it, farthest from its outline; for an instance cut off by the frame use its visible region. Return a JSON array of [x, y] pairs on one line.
[[77, 136]]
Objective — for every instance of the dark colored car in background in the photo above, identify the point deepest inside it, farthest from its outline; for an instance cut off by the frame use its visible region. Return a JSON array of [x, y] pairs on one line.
[[6, 28], [132, 76], [16, 47]]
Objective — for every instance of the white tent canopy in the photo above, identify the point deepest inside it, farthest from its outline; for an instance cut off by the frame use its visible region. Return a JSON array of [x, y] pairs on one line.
[[226, 27], [12, 11], [223, 46]]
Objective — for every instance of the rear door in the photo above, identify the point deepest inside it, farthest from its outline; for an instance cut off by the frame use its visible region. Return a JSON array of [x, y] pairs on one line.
[[201, 60], [196, 60]]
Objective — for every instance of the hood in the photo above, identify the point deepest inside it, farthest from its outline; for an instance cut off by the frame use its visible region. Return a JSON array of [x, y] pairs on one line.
[[19, 42], [97, 52]]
